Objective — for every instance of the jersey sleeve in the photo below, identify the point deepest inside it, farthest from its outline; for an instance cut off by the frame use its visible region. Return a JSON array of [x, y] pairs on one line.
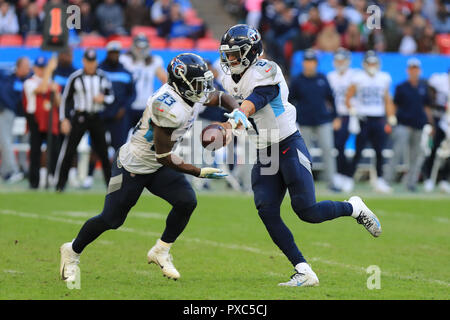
[[266, 73], [158, 61], [163, 114]]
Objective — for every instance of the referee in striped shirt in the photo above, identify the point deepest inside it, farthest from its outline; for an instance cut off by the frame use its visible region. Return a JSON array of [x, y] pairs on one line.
[[84, 98]]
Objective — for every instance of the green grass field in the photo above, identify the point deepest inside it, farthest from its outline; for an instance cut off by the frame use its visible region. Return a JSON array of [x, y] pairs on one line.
[[225, 252]]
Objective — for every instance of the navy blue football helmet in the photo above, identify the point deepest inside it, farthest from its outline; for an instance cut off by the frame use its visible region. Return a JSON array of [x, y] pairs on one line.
[[371, 62], [342, 59], [190, 77], [240, 47]]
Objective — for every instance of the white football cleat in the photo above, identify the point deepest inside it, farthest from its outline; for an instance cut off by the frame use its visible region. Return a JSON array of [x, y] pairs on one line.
[[382, 186], [364, 216], [303, 277], [348, 184], [163, 259], [444, 186], [69, 262], [428, 185]]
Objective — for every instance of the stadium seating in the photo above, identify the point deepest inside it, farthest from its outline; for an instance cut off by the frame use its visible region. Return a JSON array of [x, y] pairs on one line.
[[191, 18], [443, 42], [92, 42], [126, 41], [148, 31], [207, 44], [158, 43], [11, 40], [181, 44], [33, 41]]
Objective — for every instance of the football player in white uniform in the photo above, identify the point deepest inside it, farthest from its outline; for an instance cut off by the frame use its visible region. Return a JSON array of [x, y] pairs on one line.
[[373, 105], [340, 79], [147, 161], [283, 162], [144, 66]]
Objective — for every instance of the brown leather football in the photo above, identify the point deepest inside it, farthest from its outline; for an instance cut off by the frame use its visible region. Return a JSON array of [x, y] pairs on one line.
[[213, 137]]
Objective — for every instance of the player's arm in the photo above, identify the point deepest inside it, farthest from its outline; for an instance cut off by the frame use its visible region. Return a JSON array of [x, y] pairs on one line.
[[46, 79], [351, 91], [161, 74], [164, 143], [390, 109], [163, 147], [222, 99]]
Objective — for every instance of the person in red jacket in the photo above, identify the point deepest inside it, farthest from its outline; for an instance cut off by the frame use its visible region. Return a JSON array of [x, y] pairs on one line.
[[40, 95]]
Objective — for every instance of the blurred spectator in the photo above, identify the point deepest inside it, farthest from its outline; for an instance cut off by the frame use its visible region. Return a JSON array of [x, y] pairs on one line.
[[30, 21], [442, 21], [426, 40], [41, 101], [110, 18], [328, 10], [136, 14], [179, 28], [352, 39], [116, 114], [253, 8], [8, 20], [340, 20], [160, 14], [10, 106], [391, 27], [411, 100], [408, 44], [64, 68], [328, 39], [88, 20], [316, 111]]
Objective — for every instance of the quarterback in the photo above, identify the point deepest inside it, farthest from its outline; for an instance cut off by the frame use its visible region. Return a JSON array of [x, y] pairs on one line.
[[259, 85], [147, 161]]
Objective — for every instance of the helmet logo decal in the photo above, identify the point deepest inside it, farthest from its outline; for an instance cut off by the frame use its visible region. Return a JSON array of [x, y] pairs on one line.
[[253, 35], [178, 68]]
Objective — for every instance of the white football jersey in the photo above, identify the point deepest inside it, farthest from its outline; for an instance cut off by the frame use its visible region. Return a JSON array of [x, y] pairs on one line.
[[340, 83], [143, 76], [275, 121], [441, 83], [165, 109], [370, 92]]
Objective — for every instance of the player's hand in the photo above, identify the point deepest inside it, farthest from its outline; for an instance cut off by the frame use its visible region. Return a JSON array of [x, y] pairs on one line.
[[211, 173], [238, 117], [66, 126], [99, 98], [337, 123]]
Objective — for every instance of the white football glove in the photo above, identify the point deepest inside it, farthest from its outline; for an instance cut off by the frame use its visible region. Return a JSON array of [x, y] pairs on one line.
[[211, 173], [236, 117]]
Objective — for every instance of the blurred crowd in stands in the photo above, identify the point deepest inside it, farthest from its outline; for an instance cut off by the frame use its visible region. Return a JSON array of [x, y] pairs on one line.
[[407, 26], [172, 18]]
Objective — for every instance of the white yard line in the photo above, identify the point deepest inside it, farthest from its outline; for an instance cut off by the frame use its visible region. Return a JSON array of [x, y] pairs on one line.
[[228, 246]]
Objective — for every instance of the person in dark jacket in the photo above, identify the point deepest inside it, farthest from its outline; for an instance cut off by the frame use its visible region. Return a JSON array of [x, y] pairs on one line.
[[412, 103], [115, 116], [10, 107], [313, 98]]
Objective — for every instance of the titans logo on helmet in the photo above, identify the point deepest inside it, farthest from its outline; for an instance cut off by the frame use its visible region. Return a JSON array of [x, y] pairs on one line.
[[178, 68], [253, 35]]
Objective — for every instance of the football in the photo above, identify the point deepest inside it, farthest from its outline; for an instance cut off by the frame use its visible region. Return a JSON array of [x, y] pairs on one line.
[[213, 137]]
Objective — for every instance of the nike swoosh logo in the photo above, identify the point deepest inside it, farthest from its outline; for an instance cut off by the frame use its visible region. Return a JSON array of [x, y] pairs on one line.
[[286, 150], [299, 284], [62, 276], [160, 110], [268, 69]]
